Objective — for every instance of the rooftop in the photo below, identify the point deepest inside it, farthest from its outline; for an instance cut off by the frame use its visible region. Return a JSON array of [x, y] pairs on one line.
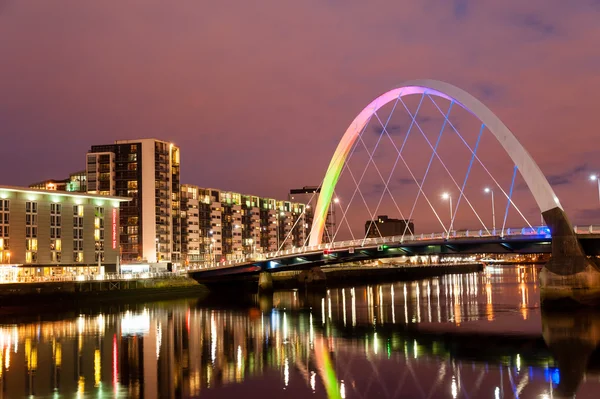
[[61, 193]]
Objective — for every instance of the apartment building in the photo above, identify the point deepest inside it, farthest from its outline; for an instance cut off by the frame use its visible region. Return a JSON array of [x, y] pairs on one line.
[[309, 195], [147, 171], [47, 233], [385, 226], [231, 225], [76, 182]]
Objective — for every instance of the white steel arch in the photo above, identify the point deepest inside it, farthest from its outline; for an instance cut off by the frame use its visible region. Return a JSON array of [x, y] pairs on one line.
[[533, 176]]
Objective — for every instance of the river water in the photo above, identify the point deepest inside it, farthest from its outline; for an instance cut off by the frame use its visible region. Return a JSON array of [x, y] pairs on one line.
[[480, 335]]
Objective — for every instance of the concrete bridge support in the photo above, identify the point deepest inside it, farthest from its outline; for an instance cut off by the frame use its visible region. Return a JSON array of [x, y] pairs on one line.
[[569, 275], [265, 282], [312, 276]]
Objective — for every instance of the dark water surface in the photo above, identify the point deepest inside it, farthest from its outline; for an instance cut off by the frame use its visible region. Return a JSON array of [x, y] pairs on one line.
[[470, 336]]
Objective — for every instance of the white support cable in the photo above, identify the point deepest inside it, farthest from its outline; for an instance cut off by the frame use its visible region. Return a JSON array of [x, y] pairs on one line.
[[467, 175], [360, 192], [410, 171], [386, 183], [347, 223], [485, 168], [413, 122], [446, 120], [347, 167], [364, 171]]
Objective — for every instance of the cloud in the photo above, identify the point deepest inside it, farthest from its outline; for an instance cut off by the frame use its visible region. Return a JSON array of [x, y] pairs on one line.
[[568, 176], [535, 23], [461, 8]]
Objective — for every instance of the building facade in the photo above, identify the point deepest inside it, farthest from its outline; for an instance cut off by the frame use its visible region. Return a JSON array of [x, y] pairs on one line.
[[310, 195], [147, 171], [229, 225], [52, 233], [76, 182], [384, 226]]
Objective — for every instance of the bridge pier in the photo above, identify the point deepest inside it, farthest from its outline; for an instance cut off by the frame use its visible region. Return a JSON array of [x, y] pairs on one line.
[[313, 276], [265, 282], [570, 275]]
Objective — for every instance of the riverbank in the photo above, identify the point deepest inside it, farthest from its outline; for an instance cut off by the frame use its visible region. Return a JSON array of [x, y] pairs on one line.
[[53, 294]]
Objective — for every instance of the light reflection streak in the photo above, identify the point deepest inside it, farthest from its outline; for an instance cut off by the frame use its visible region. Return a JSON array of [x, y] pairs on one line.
[[344, 305], [405, 307], [393, 304], [353, 307]]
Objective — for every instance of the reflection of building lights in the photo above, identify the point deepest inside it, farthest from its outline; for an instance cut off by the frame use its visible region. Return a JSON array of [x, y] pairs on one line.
[[286, 372], [97, 368], [81, 324], [80, 386], [375, 343], [213, 338], [135, 324], [158, 339], [342, 390], [7, 359], [454, 387], [518, 362], [393, 307], [100, 323], [58, 355], [313, 381], [497, 393], [115, 362], [311, 332], [344, 305], [416, 349], [353, 307]]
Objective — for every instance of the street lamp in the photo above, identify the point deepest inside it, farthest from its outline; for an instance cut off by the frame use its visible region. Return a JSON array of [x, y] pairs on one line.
[[488, 190], [447, 196], [596, 179]]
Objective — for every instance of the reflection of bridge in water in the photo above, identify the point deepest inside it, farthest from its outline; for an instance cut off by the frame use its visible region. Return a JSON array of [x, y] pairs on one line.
[[354, 343]]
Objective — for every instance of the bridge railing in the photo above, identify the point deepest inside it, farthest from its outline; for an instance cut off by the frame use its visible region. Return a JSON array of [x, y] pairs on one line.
[[369, 242], [591, 229]]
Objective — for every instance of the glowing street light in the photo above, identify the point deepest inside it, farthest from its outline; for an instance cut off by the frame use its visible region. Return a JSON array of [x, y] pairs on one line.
[[447, 196], [488, 190], [595, 178], [336, 200]]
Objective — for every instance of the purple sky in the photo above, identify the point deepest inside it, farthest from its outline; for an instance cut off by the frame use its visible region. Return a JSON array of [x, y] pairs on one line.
[[257, 93]]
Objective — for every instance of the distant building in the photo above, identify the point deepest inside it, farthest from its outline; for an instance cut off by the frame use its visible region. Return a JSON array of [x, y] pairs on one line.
[[231, 225], [384, 226], [309, 195], [46, 233], [147, 171], [76, 182]]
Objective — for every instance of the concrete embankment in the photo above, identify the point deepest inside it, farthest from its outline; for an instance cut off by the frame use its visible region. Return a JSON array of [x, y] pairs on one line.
[[98, 290]]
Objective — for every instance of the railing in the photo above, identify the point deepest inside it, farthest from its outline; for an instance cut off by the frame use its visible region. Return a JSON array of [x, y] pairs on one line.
[[370, 242]]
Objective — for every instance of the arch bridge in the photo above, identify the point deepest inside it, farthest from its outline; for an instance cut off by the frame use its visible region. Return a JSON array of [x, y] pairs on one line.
[[570, 273]]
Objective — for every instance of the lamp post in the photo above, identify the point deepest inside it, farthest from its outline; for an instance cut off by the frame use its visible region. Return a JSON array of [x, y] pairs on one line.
[[447, 196], [488, 190], [596, 178]]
